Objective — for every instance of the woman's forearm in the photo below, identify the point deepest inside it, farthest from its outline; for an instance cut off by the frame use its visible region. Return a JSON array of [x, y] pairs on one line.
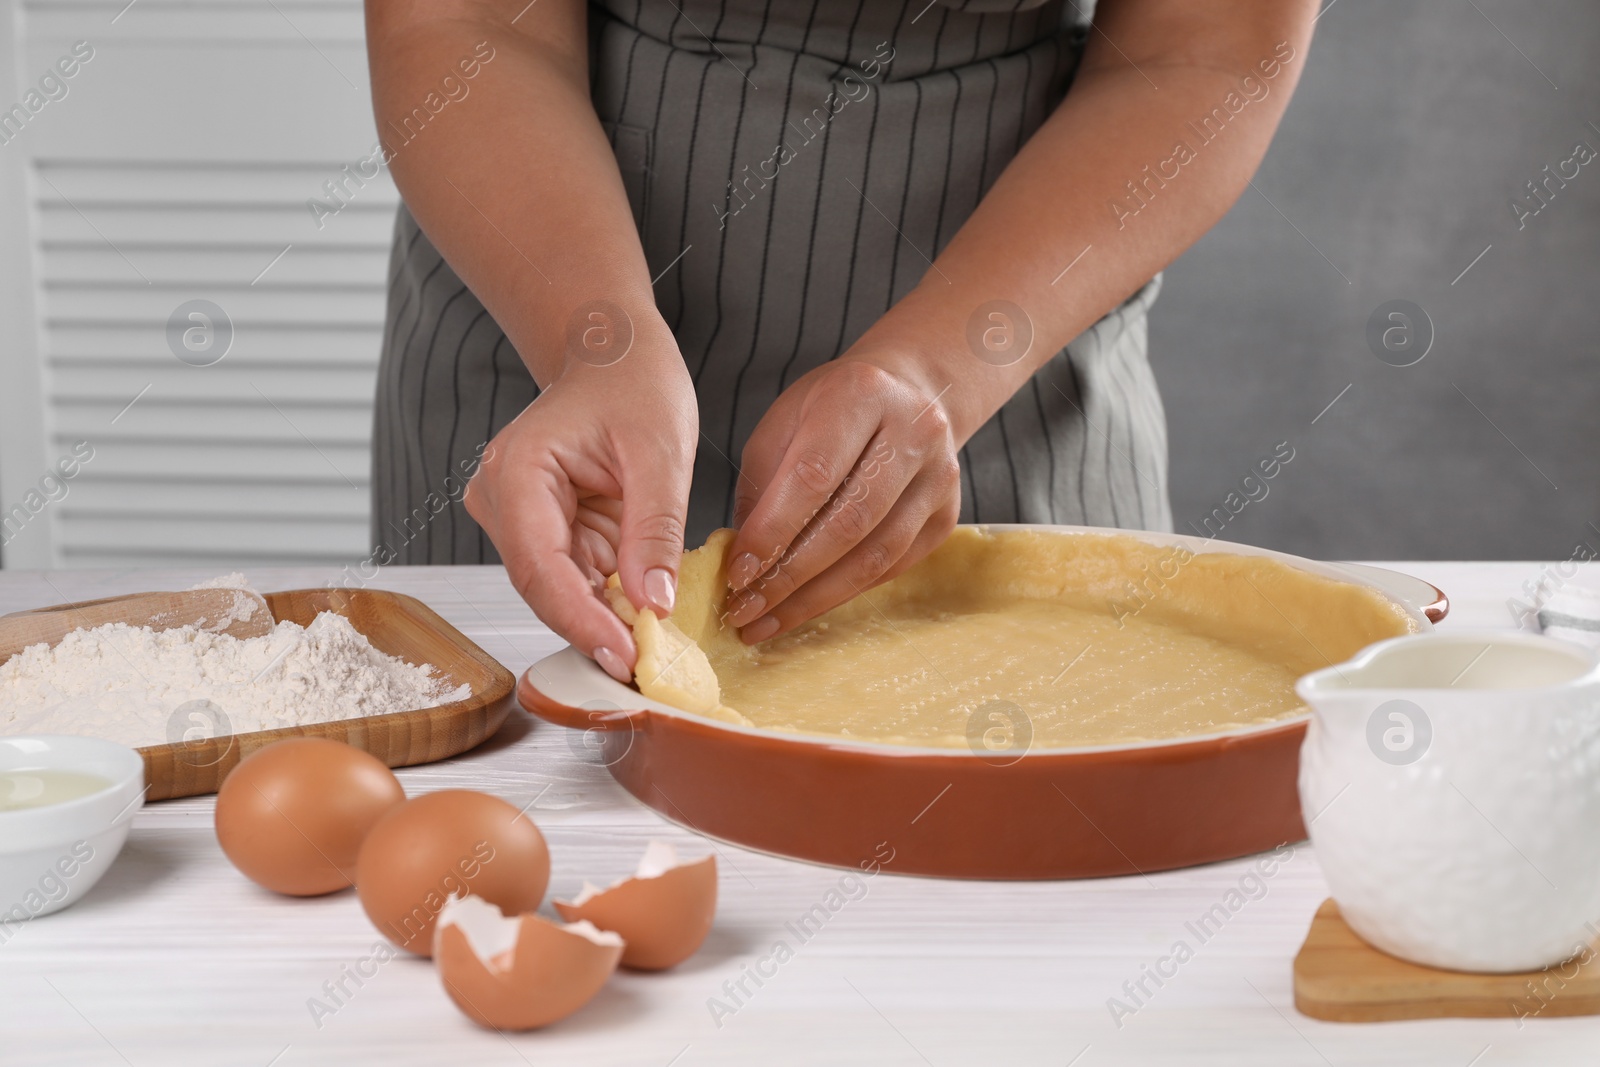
[[514, 182], [1154, 142]]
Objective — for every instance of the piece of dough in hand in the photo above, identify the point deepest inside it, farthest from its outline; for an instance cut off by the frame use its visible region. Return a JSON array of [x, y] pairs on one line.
[[672, 668]]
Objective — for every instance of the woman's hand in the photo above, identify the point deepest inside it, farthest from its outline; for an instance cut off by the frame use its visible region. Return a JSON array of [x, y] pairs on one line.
[[593, 477], [849, 479]]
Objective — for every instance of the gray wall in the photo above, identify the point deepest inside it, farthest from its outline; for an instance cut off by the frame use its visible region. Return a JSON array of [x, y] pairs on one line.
[[1414, 125]]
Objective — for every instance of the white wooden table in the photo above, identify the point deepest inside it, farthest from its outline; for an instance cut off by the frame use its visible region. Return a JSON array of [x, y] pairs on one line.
[[174, 958]]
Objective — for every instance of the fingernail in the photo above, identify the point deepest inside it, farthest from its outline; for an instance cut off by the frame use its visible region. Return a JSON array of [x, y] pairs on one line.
[[660, 588], [748, 606], [743, 571], [760, 630], [613, 664]]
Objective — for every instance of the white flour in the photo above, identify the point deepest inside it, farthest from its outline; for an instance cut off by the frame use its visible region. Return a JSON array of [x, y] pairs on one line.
[[138, 686]]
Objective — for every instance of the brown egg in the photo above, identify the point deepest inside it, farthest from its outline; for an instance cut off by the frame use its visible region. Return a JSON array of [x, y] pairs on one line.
[[292, 816], [663, 912], [519, 972], [452, 842]]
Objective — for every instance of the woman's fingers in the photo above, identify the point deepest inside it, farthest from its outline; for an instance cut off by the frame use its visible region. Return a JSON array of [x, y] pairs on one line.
[[816, 511], [534, 534], [852, 521], [594, 548], [602, 515], [835, 424], [924, 517], [655, 502]]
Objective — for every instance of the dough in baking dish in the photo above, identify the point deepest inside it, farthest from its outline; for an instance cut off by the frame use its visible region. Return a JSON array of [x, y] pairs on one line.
[[1072, 639]]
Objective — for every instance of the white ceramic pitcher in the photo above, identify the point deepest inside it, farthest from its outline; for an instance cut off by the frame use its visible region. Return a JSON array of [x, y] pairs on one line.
[[1451, 786]]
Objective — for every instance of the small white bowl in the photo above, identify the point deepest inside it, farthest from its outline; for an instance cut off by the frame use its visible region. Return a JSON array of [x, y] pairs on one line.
[[51, 855]]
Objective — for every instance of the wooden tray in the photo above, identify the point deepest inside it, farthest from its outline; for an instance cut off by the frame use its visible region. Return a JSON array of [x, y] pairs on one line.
[[396, 624], [1340, 978]]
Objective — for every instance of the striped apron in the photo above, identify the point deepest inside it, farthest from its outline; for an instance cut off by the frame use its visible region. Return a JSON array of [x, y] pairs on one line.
[[790, 182]]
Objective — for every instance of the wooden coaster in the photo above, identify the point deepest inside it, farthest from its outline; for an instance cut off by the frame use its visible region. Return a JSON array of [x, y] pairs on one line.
[[1340, 978]]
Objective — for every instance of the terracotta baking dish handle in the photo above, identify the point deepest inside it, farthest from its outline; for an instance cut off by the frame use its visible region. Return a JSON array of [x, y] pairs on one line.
[[612, 719]]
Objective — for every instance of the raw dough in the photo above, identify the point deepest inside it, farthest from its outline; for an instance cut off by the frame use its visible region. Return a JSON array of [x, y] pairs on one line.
[[1065, 639], [671, 667]]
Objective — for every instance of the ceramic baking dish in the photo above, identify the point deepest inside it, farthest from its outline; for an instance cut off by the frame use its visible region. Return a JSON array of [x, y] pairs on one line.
[[1053, 813]]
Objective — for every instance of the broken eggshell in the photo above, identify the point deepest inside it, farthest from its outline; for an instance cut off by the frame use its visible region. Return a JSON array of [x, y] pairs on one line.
[[519, 972], [663, 911]]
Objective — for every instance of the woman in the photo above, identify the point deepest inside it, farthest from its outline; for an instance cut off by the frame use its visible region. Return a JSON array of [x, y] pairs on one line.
[[838, 272]]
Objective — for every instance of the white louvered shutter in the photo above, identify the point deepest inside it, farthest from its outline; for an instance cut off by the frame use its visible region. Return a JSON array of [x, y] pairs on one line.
[[176, 168]]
